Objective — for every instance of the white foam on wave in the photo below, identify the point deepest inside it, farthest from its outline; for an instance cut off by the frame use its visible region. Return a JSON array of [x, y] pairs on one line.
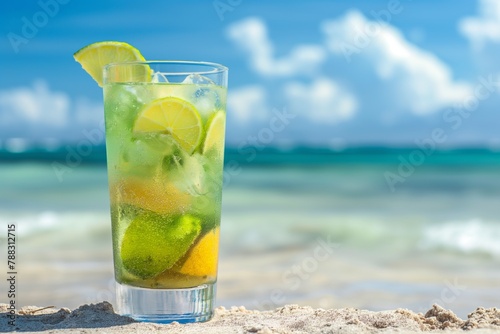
[[61, 223], [473, 236]]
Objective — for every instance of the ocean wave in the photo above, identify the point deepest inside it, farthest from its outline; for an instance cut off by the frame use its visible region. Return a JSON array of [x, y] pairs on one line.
[[70, 224], [473, 236]]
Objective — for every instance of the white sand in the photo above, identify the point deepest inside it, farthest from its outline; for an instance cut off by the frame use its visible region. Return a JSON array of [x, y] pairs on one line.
[[100, 318]]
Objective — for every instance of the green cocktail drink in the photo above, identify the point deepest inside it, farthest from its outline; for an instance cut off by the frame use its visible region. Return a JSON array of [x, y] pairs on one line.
[[165, 124], [165, 158]]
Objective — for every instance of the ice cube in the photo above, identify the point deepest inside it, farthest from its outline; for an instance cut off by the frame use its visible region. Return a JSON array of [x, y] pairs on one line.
[[203, 93], [121, 105], [197, 79], [191, 178], [140, 157], [159, 77], [205, 100]]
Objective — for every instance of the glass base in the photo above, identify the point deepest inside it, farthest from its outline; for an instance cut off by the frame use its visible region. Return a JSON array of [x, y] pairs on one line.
[[166, 305]]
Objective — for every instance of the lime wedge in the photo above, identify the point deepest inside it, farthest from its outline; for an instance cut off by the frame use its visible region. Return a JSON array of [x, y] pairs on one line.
[[153, 244], [214, 138], [95, 56], [171, 115]]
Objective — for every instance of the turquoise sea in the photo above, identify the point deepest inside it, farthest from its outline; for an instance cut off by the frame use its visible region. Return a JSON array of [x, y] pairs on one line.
[[375, 228]]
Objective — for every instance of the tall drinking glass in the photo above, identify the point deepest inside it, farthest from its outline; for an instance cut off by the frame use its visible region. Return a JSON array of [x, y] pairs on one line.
[[165, 124]]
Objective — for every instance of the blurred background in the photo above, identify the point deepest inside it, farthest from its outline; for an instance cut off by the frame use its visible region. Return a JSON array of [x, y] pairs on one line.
[[362, 151]]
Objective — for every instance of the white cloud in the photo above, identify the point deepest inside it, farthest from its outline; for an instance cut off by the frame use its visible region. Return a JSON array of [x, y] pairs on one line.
[[38, 112], [485, 27], [421, 82], [35, 104], [251, 35], [247, 103], [323, 101]]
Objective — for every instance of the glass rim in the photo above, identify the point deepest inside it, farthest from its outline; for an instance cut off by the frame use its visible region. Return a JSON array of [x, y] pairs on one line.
[[215, 67]]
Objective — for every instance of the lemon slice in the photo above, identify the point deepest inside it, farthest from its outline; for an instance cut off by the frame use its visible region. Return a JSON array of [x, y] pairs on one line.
[[202, 260], [95, 56], [172, 116], [149, 195], [214, 138]]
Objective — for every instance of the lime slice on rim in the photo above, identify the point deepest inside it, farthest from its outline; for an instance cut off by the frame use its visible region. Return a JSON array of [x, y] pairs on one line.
[[173, 116], [214, 138], [95, 56]]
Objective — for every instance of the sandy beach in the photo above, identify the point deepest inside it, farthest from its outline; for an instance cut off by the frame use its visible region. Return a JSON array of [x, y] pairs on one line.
[[100, 318]]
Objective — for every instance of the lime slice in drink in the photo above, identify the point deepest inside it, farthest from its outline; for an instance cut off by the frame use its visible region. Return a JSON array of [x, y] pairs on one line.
[[214, 138], [174, 116], [95, 56], [153, 244]]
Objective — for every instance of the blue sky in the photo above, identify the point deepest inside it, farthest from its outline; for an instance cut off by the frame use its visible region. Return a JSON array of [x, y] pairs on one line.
[[349, 72]]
